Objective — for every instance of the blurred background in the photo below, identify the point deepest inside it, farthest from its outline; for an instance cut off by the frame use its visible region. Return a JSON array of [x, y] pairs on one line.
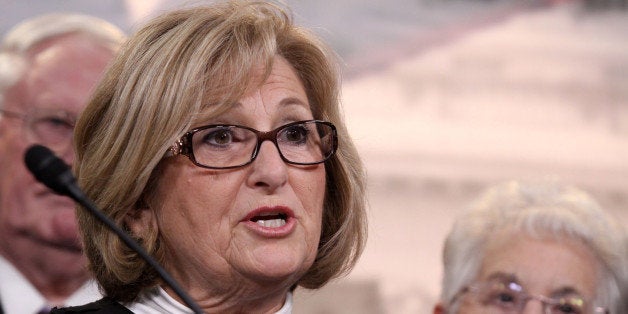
[[443, 98]]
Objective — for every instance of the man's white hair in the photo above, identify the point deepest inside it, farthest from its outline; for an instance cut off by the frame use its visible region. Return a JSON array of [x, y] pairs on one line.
[[29, 33]]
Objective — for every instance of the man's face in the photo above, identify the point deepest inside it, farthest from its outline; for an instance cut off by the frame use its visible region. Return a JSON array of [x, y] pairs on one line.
[[55, 88]]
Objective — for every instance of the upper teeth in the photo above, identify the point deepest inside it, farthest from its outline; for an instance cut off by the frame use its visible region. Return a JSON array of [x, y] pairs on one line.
[[271, 223]]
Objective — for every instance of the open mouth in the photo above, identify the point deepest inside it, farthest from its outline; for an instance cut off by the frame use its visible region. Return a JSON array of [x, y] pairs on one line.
[[270, 220]]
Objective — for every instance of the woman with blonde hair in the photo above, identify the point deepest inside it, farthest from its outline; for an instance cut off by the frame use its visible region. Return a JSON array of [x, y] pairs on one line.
[[216, 139]]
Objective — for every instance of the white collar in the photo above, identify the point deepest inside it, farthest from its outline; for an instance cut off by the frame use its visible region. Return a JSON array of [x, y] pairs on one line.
[[18, 295], [157, 300]]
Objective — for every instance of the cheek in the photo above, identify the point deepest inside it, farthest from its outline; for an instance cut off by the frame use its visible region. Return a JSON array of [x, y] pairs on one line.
[[310, 189], [13, 196], [16, 180], [197, 202]]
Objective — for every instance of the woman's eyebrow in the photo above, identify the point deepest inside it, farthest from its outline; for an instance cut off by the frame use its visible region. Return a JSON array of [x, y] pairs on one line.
[[292, 101], [565, 290], [502, 276]]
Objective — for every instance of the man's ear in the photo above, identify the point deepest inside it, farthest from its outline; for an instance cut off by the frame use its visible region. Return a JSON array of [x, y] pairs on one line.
[[439, 309]]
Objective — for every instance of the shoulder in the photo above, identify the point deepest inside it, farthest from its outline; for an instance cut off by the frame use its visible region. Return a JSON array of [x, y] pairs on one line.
[[104, 305]]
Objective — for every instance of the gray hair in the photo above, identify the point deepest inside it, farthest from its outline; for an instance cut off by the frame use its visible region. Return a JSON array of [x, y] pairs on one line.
[[29, 33], [544, 209]]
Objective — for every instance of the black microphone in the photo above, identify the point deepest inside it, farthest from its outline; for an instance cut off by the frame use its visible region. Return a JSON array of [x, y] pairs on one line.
[[49, 169], [56, 175]]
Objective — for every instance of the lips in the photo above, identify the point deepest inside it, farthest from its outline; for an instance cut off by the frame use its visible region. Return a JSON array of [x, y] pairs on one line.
[[271, 221]]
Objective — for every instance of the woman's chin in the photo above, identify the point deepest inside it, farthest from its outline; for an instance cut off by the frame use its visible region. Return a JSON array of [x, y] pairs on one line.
[[278, 265]]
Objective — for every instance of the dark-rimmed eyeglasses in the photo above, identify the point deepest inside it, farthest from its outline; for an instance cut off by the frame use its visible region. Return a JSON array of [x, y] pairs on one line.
[[53, 128], [501, 297], [225, 146]]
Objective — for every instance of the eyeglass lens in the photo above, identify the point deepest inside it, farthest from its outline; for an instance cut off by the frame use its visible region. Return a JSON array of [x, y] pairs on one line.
[[307, 142], [510, 298]]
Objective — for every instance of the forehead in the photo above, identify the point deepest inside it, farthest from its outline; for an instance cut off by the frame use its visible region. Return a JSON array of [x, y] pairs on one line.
[[280, 86], [542, 265], [75, 51], [61, 73]]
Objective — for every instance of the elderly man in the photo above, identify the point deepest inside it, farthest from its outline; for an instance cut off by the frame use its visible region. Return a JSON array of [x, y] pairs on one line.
[[48, 67]]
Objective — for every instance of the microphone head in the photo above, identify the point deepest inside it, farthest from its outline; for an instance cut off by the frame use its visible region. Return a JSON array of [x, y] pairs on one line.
[[49, 169]]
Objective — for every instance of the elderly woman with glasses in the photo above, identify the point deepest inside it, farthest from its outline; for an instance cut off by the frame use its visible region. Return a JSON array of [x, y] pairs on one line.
[[216, 139], [535, 248]]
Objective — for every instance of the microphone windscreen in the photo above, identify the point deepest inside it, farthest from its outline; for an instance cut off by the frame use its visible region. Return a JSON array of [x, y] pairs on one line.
[[47, 168]]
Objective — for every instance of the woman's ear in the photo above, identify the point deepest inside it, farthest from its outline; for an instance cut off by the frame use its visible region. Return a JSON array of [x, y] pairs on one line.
[[141, 221], [439, 309]]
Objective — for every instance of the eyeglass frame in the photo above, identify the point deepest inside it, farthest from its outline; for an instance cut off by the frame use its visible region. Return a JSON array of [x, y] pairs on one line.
[[28, 119], [545, 301], [184, 145]]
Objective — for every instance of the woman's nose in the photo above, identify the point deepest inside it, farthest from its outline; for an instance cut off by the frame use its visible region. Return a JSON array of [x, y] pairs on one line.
[[533, 306], [269, 169]]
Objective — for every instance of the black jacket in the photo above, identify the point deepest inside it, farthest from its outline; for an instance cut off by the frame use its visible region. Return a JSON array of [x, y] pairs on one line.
[[104, 305]]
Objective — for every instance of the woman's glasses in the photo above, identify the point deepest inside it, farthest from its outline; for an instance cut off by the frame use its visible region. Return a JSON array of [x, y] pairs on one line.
[[221, 146], [49, 127], [509, 297]]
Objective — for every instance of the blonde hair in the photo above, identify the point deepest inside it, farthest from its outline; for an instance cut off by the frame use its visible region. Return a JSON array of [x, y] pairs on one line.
[[538, 209], [179, 65]]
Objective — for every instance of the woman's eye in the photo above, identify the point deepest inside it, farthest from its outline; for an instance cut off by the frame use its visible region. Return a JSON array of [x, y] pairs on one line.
[[218, 137], [568, 308], [502, 299], [505, 297], [295, 134]]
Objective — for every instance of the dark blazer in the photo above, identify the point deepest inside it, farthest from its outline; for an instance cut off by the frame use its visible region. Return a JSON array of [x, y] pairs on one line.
[[104, 305]]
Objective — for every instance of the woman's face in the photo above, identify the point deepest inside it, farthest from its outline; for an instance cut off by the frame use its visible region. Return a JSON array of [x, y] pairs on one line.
[[208, 219], [553, 269]]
